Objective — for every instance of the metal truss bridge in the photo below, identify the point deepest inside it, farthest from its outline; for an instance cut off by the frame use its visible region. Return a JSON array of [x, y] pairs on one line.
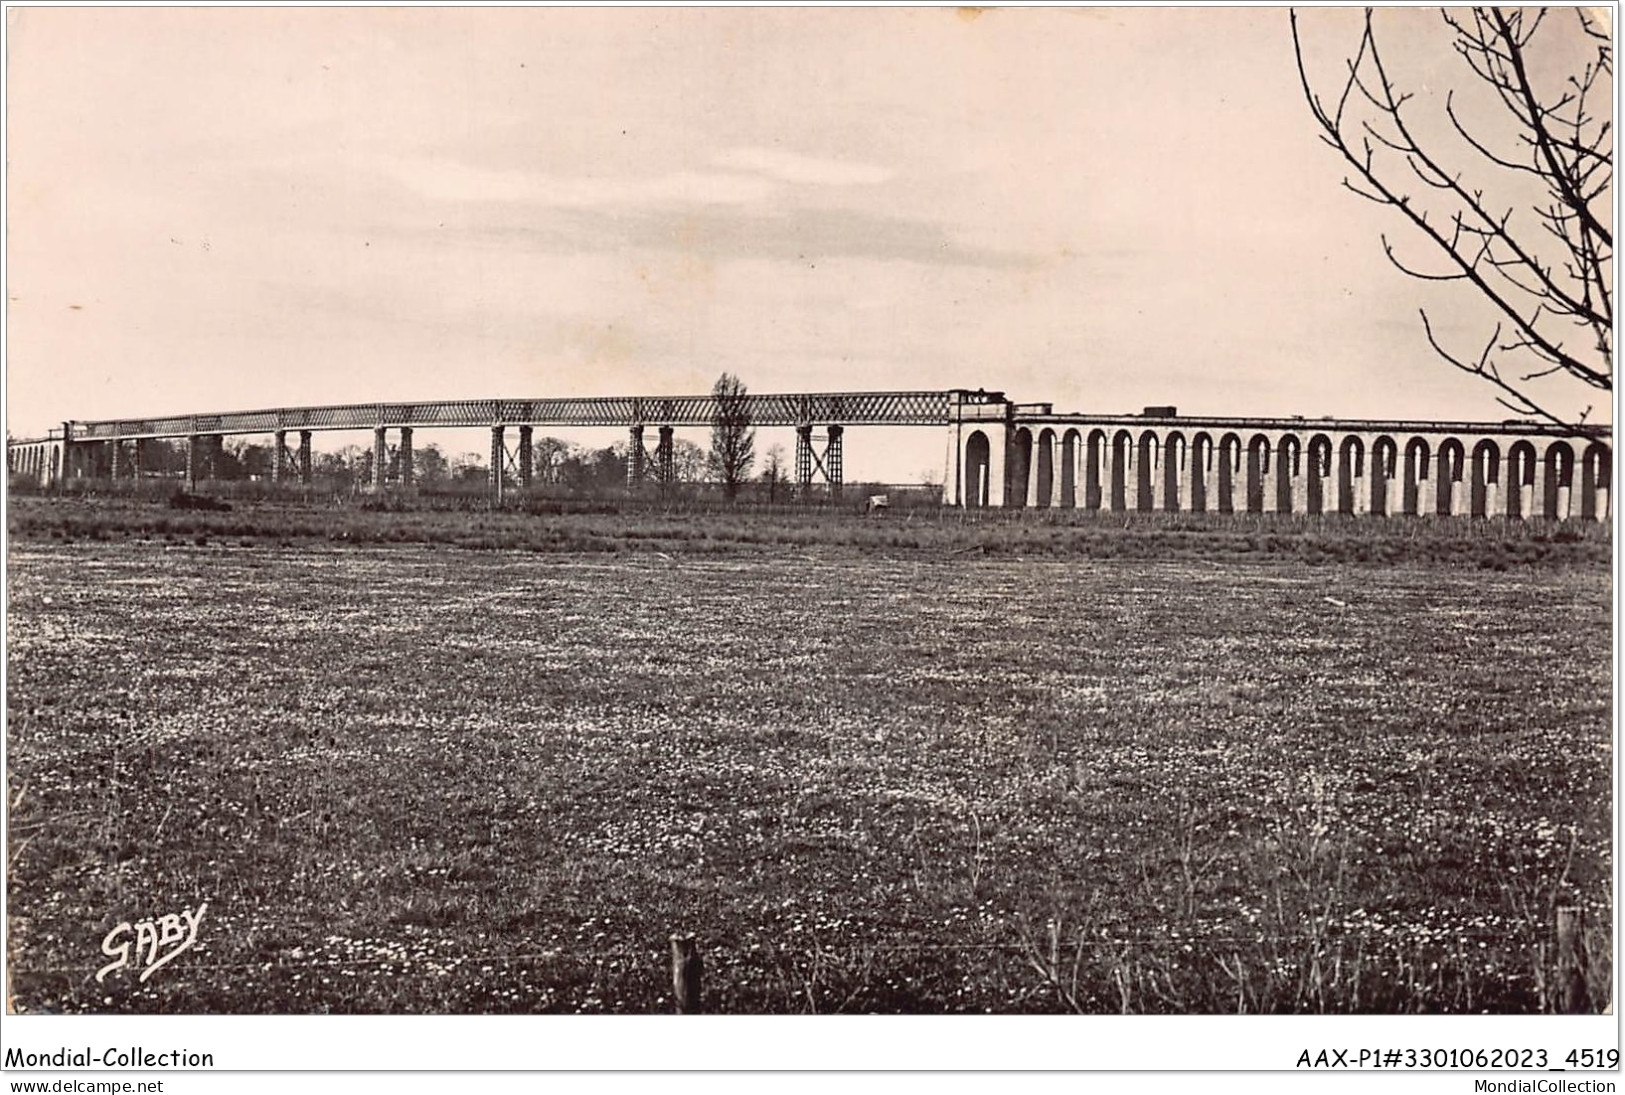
[[842, 408], [103, 448]]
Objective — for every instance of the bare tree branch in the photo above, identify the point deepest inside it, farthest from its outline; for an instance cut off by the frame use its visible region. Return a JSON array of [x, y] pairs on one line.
[[1569, 154]]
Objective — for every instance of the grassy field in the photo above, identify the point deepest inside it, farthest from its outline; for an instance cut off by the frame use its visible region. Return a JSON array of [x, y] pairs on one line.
[[915, 777], [644, 525]]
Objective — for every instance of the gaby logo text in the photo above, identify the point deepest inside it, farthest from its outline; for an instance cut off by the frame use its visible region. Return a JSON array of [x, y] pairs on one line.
[[150, 944]]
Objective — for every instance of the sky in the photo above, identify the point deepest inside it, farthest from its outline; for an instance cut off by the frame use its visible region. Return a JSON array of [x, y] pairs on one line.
[[219, 209]]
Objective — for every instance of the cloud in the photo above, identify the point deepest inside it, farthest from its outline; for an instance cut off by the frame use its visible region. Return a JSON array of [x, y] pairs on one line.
[[802, 170], [746, 210], [803, 237], [813, 235], [746, 176], [449, 181]]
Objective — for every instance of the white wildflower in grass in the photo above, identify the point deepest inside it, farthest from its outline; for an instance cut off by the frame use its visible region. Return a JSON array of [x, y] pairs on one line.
[[911, 784]]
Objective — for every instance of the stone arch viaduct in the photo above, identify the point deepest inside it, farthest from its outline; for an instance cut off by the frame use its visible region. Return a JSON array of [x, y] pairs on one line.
[[1025, 455], [999, 453]]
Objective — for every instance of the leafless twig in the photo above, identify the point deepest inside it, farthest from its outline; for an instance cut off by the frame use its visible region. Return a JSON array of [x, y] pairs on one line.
[[1504, 249]]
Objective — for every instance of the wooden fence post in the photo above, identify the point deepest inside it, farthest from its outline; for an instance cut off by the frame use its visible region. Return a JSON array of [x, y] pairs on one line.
[[685, 974], [1571, 960]]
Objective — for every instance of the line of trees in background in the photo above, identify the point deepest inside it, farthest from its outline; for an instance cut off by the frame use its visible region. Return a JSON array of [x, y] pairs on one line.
[[559, 468], [569, 467]]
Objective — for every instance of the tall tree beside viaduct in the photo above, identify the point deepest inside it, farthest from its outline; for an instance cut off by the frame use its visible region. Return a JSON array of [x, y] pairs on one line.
[[1506, 187], [733, 439]]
